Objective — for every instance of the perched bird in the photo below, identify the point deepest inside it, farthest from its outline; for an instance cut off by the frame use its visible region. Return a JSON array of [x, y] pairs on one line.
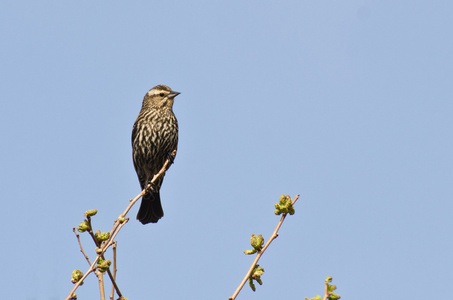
[[154, 137]]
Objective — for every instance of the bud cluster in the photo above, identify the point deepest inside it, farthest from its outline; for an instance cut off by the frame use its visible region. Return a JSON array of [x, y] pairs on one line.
[[256, 275], [285, 206], [103, 265], [76, 276], [257, 242]]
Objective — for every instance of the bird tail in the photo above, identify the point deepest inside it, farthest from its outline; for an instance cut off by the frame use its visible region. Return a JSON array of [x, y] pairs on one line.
[[150, 210]]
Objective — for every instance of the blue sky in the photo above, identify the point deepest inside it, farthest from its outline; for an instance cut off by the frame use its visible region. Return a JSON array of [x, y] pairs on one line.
[[347, 103]]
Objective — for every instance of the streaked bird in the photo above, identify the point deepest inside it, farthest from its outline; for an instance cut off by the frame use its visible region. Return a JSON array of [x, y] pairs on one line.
[[154, 137]]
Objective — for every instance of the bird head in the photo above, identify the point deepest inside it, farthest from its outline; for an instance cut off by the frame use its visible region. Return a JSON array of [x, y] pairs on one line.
[[160, 96]]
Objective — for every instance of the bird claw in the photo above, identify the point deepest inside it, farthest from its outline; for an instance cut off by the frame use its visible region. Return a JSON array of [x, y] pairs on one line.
[[171, 158], [151, 187]]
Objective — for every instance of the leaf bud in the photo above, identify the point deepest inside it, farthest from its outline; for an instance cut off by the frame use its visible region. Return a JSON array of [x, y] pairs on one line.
[[84, 226]]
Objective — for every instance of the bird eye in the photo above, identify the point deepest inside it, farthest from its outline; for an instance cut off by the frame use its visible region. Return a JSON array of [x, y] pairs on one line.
[[161, 94]]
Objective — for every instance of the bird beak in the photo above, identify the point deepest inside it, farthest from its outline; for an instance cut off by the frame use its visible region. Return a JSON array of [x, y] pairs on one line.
[[173, 94]]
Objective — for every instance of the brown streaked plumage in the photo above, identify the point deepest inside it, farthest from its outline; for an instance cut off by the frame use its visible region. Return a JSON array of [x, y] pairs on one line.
[[154, 137]]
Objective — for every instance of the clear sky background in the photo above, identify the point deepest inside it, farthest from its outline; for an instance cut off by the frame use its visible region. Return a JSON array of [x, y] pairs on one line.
[[347, 103]]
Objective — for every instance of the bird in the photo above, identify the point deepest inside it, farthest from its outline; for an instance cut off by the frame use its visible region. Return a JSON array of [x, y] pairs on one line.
[[154, 138]]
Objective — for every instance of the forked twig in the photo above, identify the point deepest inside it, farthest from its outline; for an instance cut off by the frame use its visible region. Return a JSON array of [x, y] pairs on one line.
[[93, 265], [98, 244]]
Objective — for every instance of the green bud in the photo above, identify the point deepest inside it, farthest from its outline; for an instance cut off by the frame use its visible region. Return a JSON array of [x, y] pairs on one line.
[[103, 265], [282, 199], [257, 241], [121, 218], [102, 236], [252, 285], [98, 250], [258, 279], [334, 296], [73, 297], [329, 279], [284, 206], [84, 226], [331, 288], [76, 276], [258, 271], [91, 212]]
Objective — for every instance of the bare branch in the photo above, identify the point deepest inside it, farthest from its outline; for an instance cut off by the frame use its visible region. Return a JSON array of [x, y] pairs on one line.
[[100, 276], [80, 244], [112, 295]]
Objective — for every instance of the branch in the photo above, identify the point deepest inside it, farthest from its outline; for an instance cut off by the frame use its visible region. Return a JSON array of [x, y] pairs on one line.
[[80, 244], [114, 269], [118, 224], [259, 253], [326, 291], [93, 267], [98, 244], [100, 276]]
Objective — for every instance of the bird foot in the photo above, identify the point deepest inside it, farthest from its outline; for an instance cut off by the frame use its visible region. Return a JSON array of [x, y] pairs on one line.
[[171, 158], [151, 187]]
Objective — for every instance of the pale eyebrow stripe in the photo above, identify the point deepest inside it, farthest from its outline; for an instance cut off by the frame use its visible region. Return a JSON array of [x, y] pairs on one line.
[[154, 92]]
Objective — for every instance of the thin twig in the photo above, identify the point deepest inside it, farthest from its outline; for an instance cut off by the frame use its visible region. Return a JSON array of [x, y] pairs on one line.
[[114, 285], [76, 285], [101, 284], [81, 249], [80, 244], [326, 291], [112, 242], [99, 245], [259, 253], [117, 227], [114, 269]]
